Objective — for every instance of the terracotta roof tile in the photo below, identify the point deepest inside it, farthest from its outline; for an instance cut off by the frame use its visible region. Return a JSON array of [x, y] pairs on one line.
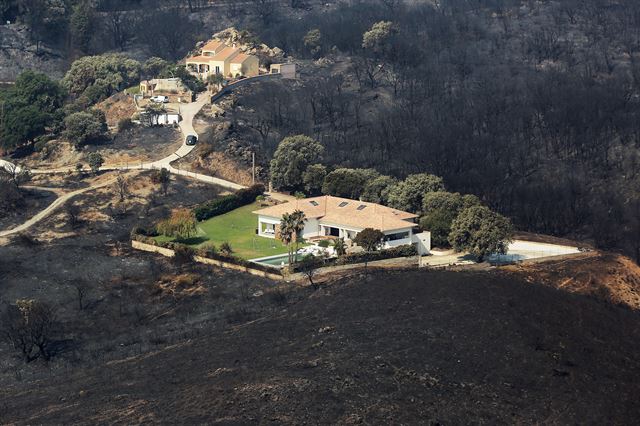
[[240, 58], [199, 58], [225, 53], [346, 212], [212, 45]]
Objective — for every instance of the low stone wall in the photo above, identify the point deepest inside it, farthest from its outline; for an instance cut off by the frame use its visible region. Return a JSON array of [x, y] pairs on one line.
[[170, 253]]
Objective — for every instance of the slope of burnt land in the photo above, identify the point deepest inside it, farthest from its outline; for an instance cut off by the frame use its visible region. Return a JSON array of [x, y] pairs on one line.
[[394, 347]]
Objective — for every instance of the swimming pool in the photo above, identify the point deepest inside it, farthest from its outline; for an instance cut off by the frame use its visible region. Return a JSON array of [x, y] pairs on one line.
[[279, 261]]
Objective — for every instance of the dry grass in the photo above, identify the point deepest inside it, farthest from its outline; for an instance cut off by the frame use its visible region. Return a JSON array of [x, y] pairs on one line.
[[607, 276]]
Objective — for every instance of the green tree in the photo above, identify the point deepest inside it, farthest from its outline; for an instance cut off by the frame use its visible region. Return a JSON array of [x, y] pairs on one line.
[[313, 41], [313, 178], [481, 232], [369, 239], [38, 90], [82, 127], [292, 157], [22, 125], [81, 25], [340, 247], [154, 66], [298, 220], [109, 73], [408, 194], [348, 183], [286, 233], [95, 161], [377, 38], [29, 107], [181, 224], [377, 190], [440, 209]]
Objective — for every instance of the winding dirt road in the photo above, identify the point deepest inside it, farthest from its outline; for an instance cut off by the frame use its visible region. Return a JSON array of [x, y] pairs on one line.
[[188, 113]]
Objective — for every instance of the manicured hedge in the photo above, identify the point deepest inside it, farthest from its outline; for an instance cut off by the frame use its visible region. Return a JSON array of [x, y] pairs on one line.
[[225, 204]]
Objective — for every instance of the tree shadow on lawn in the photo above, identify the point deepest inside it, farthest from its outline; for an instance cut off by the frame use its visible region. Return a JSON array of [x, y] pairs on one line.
[[193, 241]]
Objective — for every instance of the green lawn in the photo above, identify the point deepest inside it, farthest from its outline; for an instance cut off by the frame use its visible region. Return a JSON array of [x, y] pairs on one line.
[[237, 227], [133, 90]]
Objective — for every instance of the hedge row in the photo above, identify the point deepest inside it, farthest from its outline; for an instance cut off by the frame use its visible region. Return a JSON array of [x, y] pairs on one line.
[[225, 204], [370, 256], [349, 259], [205, 252]]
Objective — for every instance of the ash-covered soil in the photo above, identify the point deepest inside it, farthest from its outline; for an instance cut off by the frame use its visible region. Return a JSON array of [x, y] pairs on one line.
[[385, 348]]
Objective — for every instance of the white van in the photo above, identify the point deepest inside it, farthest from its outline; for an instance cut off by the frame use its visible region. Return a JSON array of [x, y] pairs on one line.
[[160, 99]]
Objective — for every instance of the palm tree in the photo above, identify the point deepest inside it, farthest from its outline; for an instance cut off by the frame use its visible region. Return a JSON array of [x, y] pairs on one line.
[[286, 233], [339, 246], [298, 219], [216, 80]]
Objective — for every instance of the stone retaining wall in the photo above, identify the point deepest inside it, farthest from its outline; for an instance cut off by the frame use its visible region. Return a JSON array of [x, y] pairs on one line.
[[170, 253]]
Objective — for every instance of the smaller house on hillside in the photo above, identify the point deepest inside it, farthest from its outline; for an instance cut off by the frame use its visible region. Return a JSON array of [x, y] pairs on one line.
[[163, 86], [219, 58], [335, 217], [287, 70]]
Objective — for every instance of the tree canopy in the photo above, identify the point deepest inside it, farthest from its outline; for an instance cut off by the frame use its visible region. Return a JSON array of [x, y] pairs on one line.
[[83, 127], [313, 178], [28, 108], [291, 159], [440, 210], [481, 232], [377, 189], [369, 239], [348, 183], [408, 194], [105, 74]]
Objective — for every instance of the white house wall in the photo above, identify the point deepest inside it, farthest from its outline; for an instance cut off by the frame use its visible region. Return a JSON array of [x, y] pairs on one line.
[[311, 228], [423, 242], [266, 220]]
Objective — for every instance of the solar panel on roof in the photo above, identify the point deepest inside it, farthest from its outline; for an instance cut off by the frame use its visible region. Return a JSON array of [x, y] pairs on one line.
[[342, 204], [361, 207], [313, 203]]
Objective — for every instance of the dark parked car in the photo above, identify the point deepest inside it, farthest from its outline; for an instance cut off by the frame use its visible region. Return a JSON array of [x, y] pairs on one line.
[[191, 140]]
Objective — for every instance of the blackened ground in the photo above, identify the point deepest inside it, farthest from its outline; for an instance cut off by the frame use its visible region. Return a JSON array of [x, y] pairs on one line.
[[388, 348]]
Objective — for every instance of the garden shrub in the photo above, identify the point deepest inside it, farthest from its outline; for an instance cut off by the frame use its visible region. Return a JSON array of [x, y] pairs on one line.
[[144, 231], [207, 250], [400, 251], [183, 253]]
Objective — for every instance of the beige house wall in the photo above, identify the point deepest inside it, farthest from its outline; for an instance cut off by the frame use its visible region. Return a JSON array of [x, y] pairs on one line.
[[248, 68]]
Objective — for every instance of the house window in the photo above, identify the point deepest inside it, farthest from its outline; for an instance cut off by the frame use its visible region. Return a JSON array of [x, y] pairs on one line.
[[398, 236], [217, 69], [342, 204]]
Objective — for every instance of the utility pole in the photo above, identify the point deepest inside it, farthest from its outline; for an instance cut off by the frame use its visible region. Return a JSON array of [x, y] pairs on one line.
[[253, 168]]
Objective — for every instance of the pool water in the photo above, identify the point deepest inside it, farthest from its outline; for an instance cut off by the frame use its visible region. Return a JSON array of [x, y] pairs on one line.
[[278, 261]]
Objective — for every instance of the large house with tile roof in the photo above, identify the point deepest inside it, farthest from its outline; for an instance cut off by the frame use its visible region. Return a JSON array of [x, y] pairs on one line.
[[335, 217], [219, 58]]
